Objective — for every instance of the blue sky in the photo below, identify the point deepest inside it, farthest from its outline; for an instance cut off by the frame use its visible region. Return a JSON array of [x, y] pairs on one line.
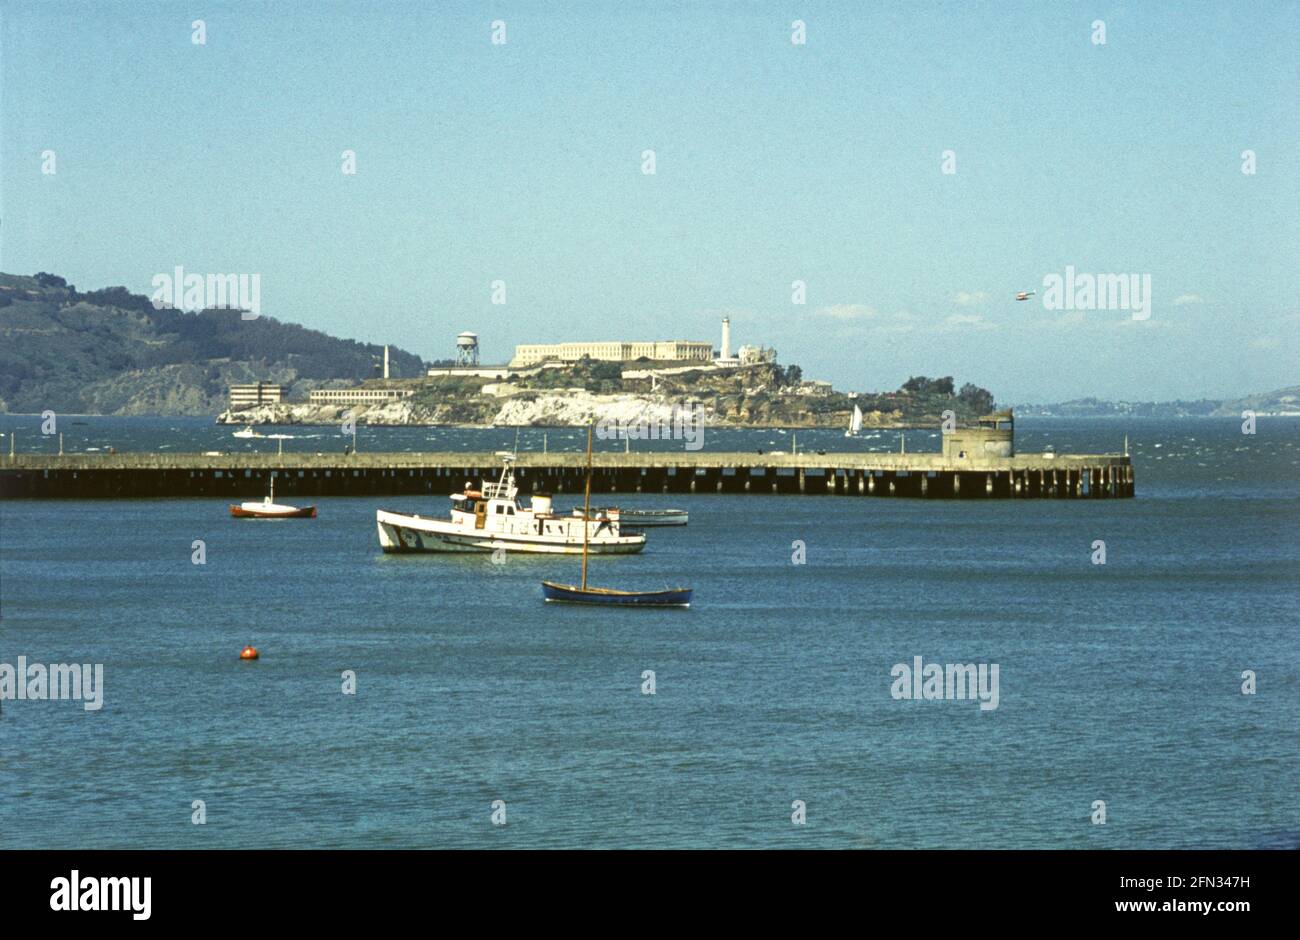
[[774, 163]]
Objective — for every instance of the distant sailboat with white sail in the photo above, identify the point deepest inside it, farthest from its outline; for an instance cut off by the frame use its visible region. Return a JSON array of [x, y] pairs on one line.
[[855, 423]]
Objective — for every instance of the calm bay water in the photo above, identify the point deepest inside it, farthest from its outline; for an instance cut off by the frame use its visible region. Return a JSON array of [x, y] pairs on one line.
[[1118, 682]]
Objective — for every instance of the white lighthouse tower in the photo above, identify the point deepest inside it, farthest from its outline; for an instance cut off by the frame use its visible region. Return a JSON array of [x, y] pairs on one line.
[[724, 353]]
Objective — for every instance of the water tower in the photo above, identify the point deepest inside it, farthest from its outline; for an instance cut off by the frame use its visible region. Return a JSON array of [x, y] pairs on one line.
[[467, 349]]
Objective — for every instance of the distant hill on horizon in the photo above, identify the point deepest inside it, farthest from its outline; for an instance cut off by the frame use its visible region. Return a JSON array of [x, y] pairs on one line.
[[1282, 401], [112, 352]]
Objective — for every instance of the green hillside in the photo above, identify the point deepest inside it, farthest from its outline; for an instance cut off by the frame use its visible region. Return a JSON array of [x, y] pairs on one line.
[[111, 352]]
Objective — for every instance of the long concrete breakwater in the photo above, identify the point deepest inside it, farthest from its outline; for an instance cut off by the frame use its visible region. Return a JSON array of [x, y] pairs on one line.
[[246, 476]]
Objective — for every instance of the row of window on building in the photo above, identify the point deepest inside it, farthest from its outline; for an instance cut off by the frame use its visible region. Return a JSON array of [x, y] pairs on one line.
[[671, 351], [257, 393], [266, 393]]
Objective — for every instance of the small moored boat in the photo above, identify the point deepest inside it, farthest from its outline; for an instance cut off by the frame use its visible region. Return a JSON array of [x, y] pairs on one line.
[[269, 509], [575, 594]]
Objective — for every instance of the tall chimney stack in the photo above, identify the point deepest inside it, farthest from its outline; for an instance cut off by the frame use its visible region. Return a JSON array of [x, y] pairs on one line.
[[385, 360], [726, 337]]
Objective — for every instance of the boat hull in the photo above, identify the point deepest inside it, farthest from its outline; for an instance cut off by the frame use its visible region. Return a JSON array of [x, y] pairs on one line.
[[274, 512], [405, 534], [606, 597]]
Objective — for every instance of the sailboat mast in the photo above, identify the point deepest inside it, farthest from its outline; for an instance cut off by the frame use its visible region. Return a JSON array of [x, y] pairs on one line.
[[586, 511]]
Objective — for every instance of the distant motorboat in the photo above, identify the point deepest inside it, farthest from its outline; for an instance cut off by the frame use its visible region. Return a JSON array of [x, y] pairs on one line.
[[269, 509], [247, 431], [639, 517]]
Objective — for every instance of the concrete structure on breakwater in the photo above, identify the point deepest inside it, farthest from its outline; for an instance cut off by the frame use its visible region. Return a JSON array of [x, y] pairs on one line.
[[955, 475]]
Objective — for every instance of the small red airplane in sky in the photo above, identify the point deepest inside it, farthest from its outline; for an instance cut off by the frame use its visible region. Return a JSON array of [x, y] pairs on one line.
[[1025, 295]]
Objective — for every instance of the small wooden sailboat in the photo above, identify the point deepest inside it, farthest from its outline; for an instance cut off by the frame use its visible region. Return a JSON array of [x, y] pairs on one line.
[[582, 594], [269, 509], [570, 594]]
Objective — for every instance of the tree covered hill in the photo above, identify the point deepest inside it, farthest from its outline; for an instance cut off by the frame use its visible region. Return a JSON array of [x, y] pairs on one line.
[[111, 352]]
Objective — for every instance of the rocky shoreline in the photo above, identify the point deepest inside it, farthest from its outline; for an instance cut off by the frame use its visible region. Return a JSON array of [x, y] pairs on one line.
[[571, 408]]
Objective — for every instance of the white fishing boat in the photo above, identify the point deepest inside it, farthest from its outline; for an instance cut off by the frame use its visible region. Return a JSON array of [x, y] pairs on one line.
[[492, 518], [247, 431], [855, 423], [639, 517]]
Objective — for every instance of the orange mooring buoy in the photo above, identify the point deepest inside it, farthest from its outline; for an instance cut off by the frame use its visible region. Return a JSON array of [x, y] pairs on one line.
[[248, 652]]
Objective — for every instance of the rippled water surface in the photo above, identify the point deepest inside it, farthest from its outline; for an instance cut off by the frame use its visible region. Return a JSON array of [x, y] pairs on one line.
[[1119, 682]]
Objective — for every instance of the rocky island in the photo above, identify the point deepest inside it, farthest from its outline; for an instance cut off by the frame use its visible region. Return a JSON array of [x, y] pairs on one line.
[[765, 395]]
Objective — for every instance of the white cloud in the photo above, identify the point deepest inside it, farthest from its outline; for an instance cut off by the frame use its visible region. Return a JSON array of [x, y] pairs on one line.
[[966, 298], [968, 319], [848, 312], [1182, 299]]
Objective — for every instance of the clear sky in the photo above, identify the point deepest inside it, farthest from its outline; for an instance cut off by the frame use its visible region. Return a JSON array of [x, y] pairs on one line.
[[775, 162]]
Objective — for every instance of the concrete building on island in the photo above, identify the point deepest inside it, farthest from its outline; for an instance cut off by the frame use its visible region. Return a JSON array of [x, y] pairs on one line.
[[254, 394], [531, 357], [660, 351]]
